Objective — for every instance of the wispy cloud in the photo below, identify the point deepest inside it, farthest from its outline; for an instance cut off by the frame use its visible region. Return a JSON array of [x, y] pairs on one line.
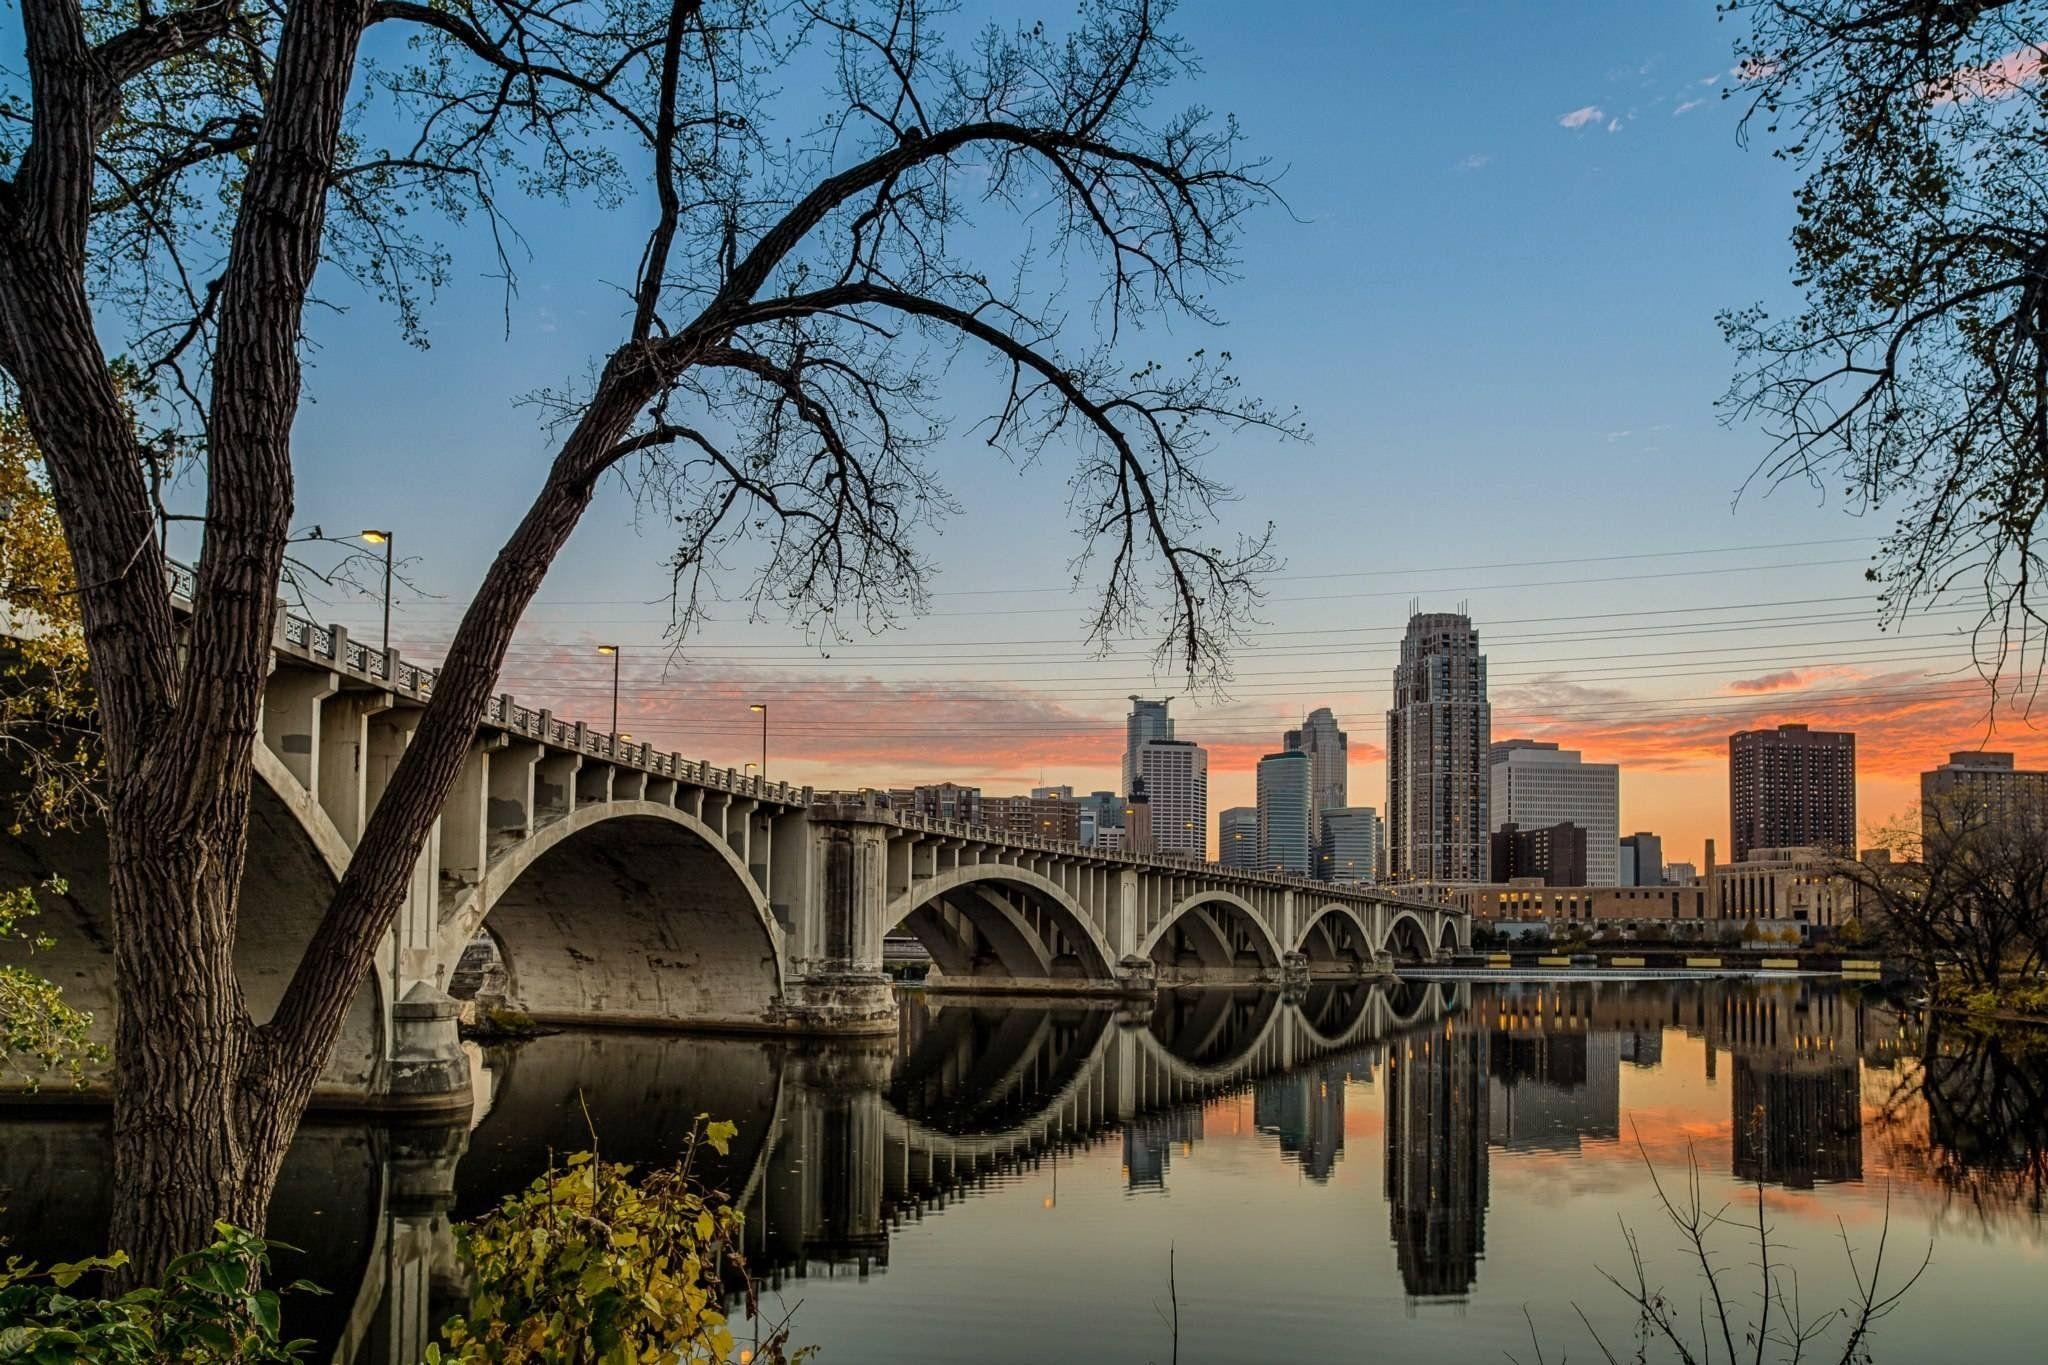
[[1614, 125], [1579, 118], [1476, 161], [1770, 682], [1686, 107]]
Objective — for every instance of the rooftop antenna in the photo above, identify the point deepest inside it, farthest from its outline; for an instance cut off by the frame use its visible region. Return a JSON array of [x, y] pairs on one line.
[[1415, 606]]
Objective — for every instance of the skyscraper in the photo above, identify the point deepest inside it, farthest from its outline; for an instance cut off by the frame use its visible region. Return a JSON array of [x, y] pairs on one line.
[[1237, 831], [1286, 813], [1534, 784], [1329, 752], [1642, 859], [1350, 849], [1439, 733], [1176, 777], [1148, 721], [1791, 788]]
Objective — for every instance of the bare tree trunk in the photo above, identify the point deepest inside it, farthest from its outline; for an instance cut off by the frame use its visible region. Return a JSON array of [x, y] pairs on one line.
[[178, 1146]]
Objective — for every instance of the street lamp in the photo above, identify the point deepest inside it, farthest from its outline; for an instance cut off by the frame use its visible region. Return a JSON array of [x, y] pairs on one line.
[[762, 707], [383, 538], [613, 650]]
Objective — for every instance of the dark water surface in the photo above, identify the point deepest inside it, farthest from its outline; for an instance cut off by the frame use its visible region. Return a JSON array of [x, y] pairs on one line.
[[1357, 1174]]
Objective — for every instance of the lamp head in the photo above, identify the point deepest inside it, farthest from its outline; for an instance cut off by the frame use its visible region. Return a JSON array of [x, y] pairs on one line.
[[374, 537], [607, 649], [758, 706]]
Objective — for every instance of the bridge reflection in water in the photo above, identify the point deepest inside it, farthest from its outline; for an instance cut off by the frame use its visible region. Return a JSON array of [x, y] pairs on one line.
[[840, 1144]]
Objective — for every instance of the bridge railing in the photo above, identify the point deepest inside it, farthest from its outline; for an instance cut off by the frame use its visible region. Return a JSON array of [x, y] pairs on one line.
[[331, 645], [876, 804]]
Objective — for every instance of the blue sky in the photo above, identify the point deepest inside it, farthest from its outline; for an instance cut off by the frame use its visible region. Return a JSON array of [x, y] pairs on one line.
[[1495, 308]]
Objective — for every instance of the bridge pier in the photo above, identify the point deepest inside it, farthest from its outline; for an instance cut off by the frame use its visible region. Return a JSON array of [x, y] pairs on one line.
[[837, 984]]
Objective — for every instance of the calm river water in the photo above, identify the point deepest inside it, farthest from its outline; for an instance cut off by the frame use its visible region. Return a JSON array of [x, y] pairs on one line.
[[1356, 1174]]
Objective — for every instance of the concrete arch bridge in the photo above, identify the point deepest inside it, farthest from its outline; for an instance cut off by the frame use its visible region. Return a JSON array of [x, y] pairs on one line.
[[625, 886]]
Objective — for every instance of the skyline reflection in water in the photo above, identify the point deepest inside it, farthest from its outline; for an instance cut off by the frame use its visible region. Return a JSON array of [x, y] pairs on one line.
[[1405, 1166]]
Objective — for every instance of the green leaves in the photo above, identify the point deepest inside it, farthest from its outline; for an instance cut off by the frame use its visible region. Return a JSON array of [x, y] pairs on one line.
[[210, 1308], [39, 1033]]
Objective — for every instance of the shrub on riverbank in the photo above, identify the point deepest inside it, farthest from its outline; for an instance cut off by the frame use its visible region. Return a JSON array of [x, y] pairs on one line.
[[586, 1264], [213, 1306]]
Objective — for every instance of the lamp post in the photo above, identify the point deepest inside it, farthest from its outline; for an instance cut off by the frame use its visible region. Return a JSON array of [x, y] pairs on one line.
[[613, 650], [383, 538], [762, 707]]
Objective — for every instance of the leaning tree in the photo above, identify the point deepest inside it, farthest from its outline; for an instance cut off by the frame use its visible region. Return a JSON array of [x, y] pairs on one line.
[[1912, 375], [178, 173]]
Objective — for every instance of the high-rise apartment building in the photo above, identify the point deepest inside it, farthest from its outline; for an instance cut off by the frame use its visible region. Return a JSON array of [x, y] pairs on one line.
[[1287, 813], [1329, 752], [1351, 844], [1791, 787], [1237, 834], [1037, 817], [1147, 721], [940, 801], [1176, 777], [1642, 860], [1439, 734], [1533, 785], [1988, 782]]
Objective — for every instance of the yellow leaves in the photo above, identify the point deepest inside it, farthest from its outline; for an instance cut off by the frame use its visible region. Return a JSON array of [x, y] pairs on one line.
[[589, 1265]]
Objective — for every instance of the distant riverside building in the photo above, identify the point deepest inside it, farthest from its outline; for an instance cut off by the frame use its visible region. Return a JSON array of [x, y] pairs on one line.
[[1528, 899], [1038, 817], [1803, 885], [1350, 850], [1329, 753], [1042, 793], [1175, 774], [1791, 787], [1100, 811], [1533, 784], [1237, 834], [1988, 781], [1286, 813], [1642, 860], [1439, 734], [1554, 855], [1681, 874], [1147, 721]]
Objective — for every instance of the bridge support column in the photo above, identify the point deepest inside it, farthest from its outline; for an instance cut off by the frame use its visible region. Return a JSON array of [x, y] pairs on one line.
[[838, 985]]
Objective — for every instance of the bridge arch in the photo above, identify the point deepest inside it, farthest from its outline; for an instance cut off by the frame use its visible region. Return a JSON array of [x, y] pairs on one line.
[[294, 861], [1335, 932], [1447, 939], [1408, 938], [1189, 930], [990, 933], [628, 912]]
